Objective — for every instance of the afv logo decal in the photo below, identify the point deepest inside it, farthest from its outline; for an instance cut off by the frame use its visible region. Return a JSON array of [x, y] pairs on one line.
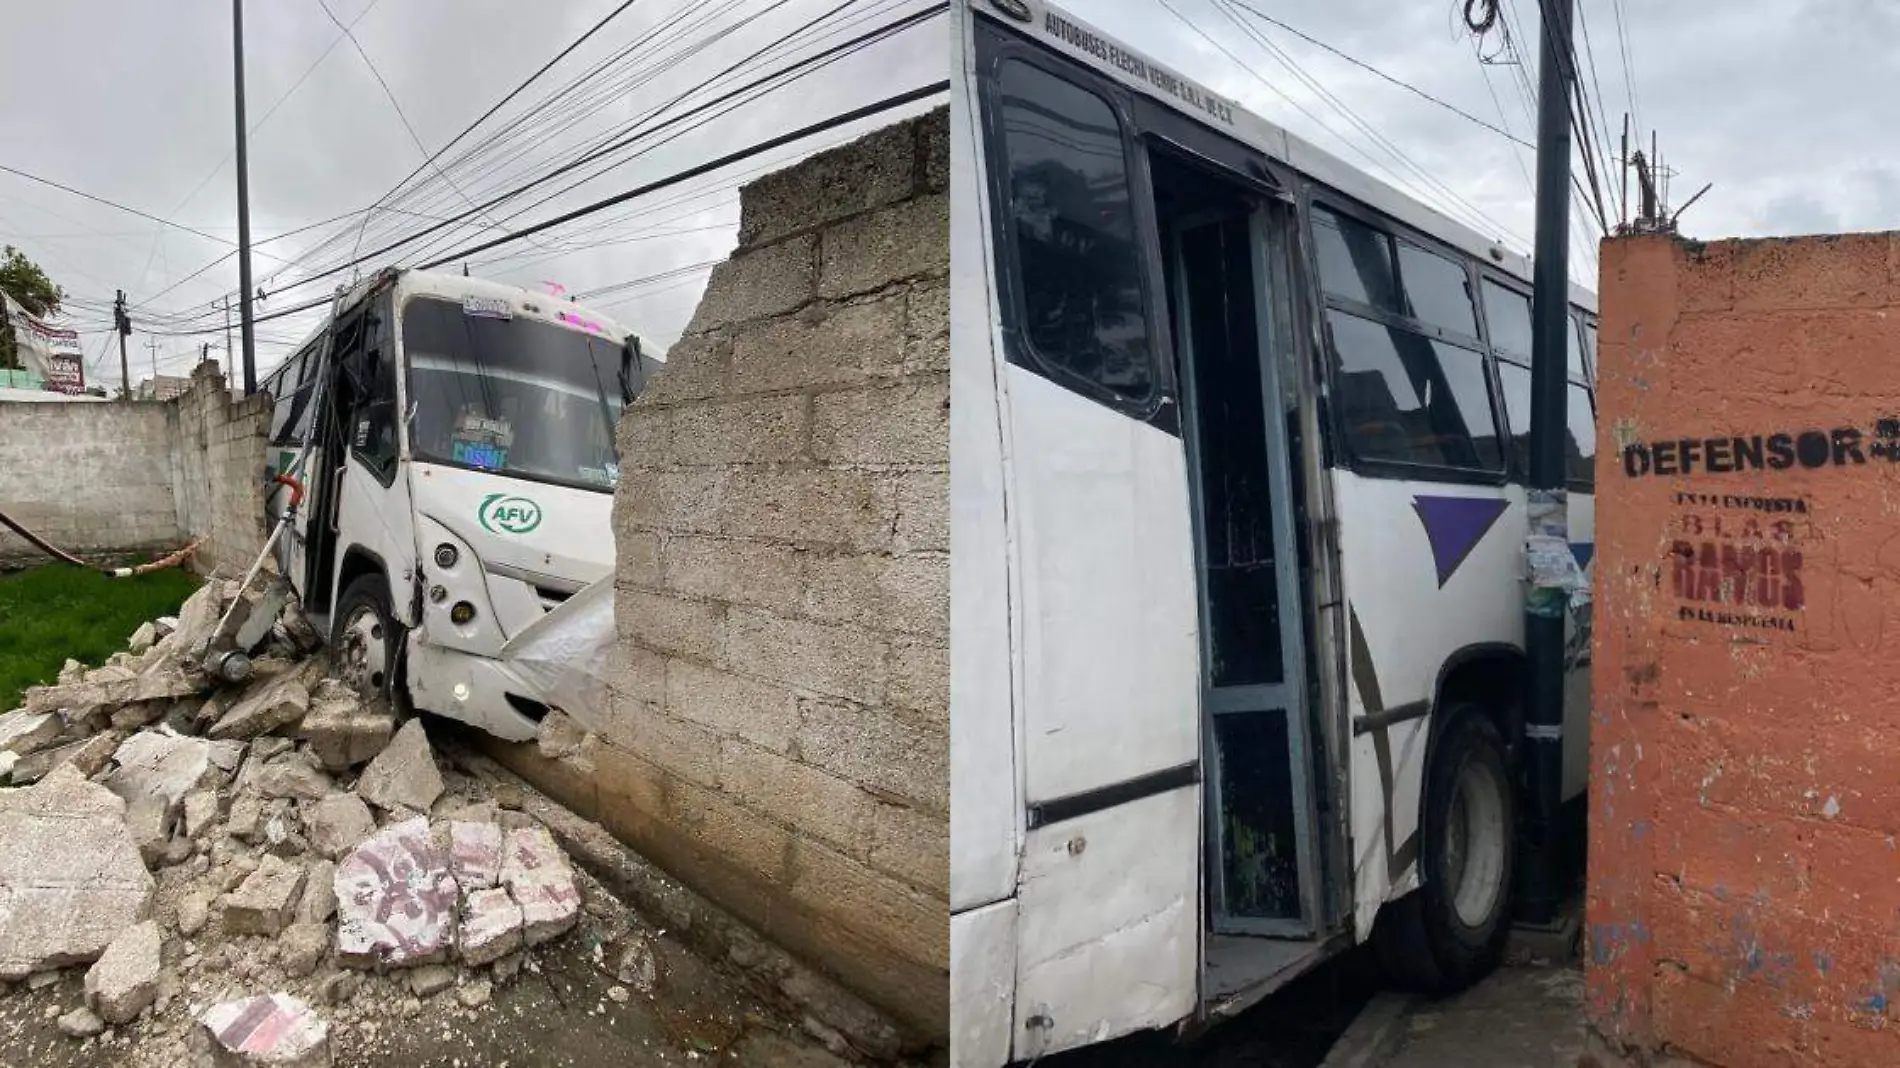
[[502, 513]]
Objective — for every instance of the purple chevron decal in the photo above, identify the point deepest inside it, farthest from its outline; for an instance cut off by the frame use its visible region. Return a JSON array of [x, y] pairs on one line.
[[1455, 526]]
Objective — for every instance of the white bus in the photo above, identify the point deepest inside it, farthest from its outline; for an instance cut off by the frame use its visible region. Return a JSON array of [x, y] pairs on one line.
[[458, 483], [1239, 438]]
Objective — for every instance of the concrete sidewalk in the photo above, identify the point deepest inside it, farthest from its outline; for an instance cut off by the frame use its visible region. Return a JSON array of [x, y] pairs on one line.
[[1521, 1017]]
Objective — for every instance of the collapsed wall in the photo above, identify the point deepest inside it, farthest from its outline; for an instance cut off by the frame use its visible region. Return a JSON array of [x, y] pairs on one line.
[[138, 478], [779, 729], [1742, 886]]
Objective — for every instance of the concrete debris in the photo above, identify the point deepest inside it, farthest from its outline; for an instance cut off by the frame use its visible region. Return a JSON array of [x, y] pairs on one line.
[[24, 732], [162, 765], [150, 823], [338, 823], [265, 709], [200, 811], [246, 820], [319, 894], [541, 881], [263, 749], [343, 730], [42, 980], [72, 880], [475, 854], [431, 979], [559, 736], [91, 756], [474, 994], [292, 777], [124, 980], [491, 927], [163, 626], [638, 968], [194, 911], [226, 754], [266, 901], [71, 671], [197, 618], [283, 830], [404, 774], [82, 1022], [395, 898], [7, 761], [31, 769], [301, 948], [142, 639], [341, 987], [269, 1029]]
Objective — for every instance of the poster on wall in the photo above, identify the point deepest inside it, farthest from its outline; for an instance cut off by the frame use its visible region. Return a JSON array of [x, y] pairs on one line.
[[48, 351]]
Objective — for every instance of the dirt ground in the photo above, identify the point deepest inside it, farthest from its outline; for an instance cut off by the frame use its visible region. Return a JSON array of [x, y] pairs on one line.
[[558, 1011]]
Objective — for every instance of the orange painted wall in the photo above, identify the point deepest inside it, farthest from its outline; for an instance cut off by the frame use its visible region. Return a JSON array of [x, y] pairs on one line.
[[1744, 886]]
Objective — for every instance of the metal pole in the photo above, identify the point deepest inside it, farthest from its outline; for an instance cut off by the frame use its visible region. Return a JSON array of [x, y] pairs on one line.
[[227, 333], [125, 366], [243, 202], [1546, 603]]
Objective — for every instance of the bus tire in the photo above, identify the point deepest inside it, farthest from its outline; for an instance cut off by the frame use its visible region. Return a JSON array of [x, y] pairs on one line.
[[366, 639], [1450, 932]]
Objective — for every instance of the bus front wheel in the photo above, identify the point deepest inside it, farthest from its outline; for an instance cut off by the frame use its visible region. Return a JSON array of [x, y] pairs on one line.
[[1450, 932], [367, 638]]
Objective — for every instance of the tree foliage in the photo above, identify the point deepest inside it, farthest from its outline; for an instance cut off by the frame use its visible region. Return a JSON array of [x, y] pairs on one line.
[[25, 282]]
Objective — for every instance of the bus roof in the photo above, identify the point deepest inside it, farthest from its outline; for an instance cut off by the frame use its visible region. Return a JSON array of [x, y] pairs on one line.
[[1053, 26]]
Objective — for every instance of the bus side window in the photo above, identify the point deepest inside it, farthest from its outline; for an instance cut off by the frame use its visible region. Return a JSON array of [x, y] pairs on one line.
[[282, 387], [366, 359], [1580, 438], [1071, 217]]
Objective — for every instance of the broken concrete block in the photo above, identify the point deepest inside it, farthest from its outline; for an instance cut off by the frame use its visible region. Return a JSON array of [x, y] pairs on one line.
[[559, 736], [72, 880], [7, 761], [36, 766], [403, 775], [82, 1022], [246, 821], [266, 901], [163, 626], [267, 707], [266, 748], [319, 894], [301, 948], [23, 732], [91, 756], [340, 987], [160, 764], [194, 911], [226, 754], [123, 982], [638, 968], [283, 830], [395, 899], [142, 639], [491, 927], [197, 617], [337, 823], [150, 823], [163, 680], [475, 854], [293, 778], [343, 729], [270, 1029], [200, 812], [431, 979], [475, 993], [71, 671], [541, 881]]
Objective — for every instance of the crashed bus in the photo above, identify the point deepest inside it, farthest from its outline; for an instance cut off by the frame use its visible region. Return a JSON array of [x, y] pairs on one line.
[[1239, 443], [443, 465]]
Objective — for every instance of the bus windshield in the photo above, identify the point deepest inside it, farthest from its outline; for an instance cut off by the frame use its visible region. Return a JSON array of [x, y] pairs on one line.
[[513, 396]]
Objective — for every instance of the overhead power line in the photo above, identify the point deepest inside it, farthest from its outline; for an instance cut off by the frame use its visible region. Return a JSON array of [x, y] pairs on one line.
[[116, 205]]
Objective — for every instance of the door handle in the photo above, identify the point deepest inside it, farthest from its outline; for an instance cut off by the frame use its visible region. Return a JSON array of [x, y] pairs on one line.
[[336, 509]]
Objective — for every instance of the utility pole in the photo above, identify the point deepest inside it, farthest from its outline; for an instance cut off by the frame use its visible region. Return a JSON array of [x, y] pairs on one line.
[[152, 344], [227, 332], [1548, 547], [123, 323], [243, 202]]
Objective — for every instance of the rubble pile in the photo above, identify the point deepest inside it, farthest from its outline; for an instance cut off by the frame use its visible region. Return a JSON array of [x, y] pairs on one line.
[[232, 863]]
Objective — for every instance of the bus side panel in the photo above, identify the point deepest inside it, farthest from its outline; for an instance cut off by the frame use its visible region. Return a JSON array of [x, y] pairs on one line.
[[982, 984], [1110, 911], [985, 803], [1110, 651], [1397, 538]]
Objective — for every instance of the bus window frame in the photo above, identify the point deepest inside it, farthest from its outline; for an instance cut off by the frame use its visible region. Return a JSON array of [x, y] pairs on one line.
[[1579, 318], [1313, 195], [997, 45]]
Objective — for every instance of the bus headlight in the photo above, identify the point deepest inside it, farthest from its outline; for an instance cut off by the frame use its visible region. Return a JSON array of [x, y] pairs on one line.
[[446, 556], [462, 613]]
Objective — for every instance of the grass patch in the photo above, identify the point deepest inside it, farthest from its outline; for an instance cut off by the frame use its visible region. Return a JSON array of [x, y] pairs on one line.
[[59, 611]]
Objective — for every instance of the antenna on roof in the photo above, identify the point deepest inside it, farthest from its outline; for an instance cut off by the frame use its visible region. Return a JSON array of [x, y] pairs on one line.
[[464, 268]]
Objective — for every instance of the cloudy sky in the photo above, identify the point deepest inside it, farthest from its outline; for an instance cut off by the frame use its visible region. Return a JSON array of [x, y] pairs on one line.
[[132, 103], [1767, 101]]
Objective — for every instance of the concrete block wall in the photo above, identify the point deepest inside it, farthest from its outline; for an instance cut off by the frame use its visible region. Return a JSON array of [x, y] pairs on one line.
[[93, 479], [219, 451], [138, 478], [1744, 878], [779, 733]]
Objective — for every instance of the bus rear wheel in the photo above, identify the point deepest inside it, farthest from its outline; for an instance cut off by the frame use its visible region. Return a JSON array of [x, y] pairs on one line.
[[367, 639], [1450, 932]]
